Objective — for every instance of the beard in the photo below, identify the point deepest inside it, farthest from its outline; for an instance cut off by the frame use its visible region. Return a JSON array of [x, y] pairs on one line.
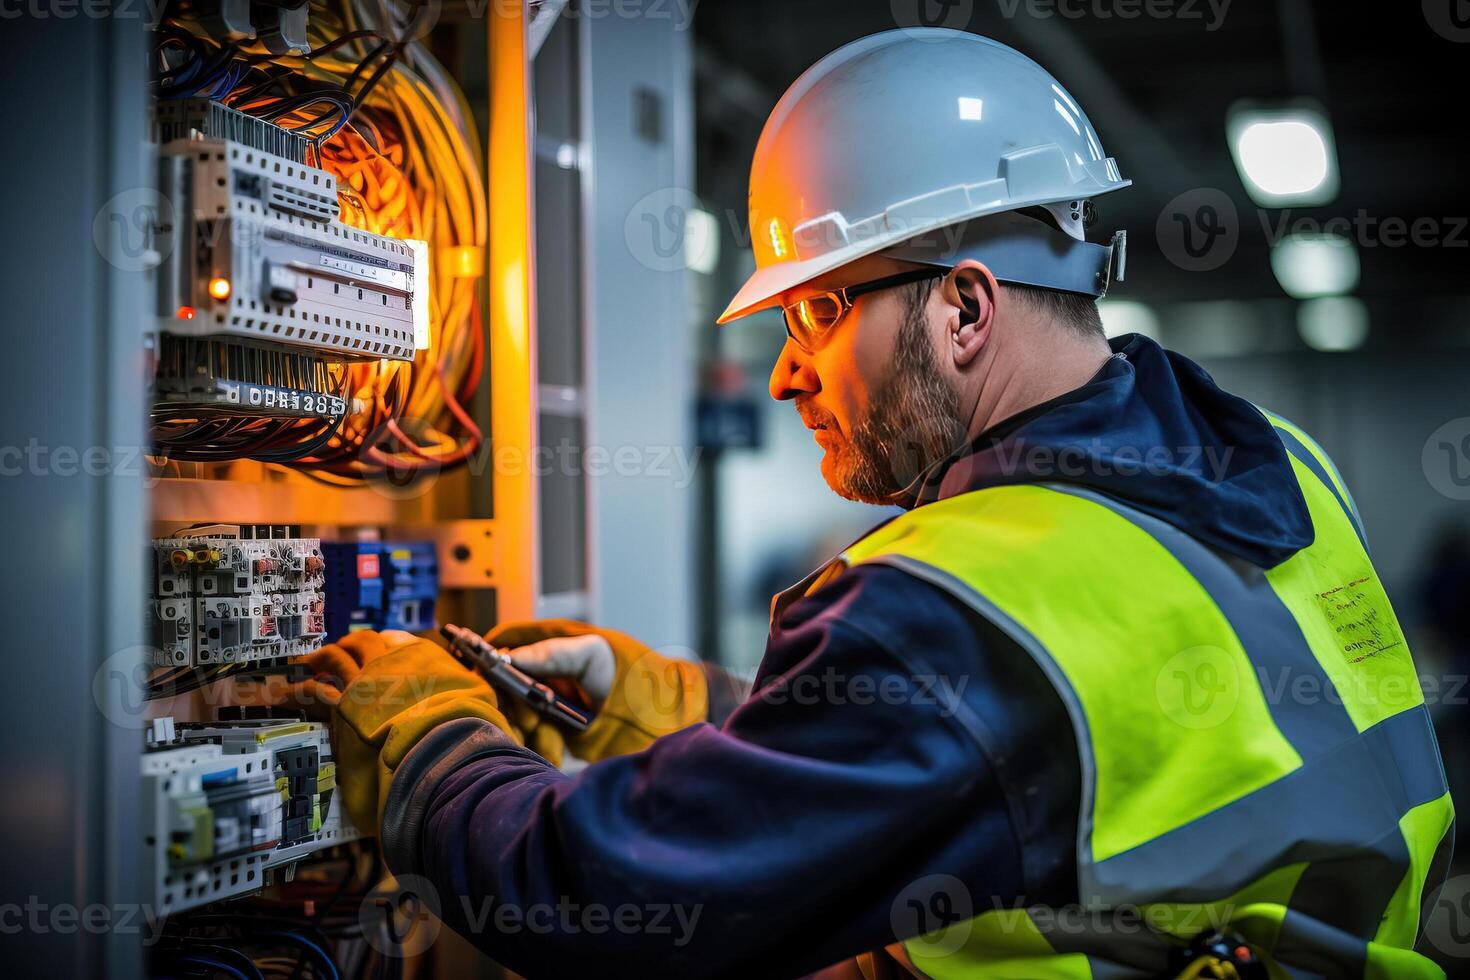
[[912, 421]]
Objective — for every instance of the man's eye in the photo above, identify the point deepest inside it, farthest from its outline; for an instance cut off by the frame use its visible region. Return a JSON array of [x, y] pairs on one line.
[[820, 312]]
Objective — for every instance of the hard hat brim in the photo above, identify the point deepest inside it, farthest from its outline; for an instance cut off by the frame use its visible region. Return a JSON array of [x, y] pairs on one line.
[[765, 287]]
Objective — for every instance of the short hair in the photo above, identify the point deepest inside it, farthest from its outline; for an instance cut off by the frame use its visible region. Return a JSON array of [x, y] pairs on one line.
[[1075, 311]]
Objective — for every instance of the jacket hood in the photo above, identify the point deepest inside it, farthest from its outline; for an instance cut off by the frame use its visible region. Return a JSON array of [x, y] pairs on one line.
[[1154, 431]]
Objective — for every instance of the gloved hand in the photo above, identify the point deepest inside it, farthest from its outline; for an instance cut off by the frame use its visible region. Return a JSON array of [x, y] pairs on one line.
[[397, 688], [638, 695]]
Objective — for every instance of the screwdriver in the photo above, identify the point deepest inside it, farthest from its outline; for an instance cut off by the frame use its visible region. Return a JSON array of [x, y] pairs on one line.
[[475, 653]]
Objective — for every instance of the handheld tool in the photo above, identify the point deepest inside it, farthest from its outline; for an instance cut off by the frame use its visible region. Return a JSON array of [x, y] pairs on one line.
[[475, 653]]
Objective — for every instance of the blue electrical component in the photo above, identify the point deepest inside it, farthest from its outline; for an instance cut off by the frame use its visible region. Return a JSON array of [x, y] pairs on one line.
[[381, 585], [410, 585]]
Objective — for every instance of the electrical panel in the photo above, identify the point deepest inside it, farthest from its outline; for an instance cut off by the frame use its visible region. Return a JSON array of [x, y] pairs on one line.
[[266, 297], [381, 585], [227, 594], [228, 802], [316, 338], [256, 253]]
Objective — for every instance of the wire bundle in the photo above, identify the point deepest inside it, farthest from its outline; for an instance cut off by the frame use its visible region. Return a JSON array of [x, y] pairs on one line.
[[387, 121], [311, 928]]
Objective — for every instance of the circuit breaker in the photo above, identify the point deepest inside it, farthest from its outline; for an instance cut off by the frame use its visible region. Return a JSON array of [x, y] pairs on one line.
[[236, 594], [225, 804]]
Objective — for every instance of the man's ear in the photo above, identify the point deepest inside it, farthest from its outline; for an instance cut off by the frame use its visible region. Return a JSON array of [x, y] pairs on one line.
[[970, 289]]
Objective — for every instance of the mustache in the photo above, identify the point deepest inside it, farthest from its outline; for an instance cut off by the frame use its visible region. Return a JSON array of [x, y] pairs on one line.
[[813, 416]]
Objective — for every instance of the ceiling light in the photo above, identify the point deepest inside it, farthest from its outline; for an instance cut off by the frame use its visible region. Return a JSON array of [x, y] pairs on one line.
[[1285, 154], [1311, 265], [1333, 323]]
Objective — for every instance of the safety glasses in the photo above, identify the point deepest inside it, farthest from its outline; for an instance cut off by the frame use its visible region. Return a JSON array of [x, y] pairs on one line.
[[811, 321]]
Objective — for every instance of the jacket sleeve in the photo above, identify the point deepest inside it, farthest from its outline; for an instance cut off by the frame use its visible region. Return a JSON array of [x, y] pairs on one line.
[[781, 843]]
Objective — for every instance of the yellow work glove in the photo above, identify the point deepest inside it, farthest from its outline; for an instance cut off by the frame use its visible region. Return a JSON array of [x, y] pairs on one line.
[[539, 733], [638, 695], [397, 689]]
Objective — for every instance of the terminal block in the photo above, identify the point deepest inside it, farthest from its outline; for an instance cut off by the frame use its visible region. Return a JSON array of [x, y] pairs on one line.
[[228, 802], [381, 585], [237, 594]]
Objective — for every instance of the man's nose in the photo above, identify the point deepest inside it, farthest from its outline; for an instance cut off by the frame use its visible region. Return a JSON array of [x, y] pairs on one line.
[[793, 374]]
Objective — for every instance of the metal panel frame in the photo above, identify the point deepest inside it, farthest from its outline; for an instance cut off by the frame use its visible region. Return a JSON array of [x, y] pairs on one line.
[[77, 160]]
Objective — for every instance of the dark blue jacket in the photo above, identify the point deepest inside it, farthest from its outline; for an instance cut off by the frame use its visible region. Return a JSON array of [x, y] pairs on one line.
[[893, 734]]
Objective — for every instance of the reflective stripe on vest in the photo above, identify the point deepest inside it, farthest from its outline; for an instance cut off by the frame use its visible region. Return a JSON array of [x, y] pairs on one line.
[[1255, 749]]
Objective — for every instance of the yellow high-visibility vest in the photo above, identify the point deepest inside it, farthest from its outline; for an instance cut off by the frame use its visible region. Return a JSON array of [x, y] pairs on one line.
[[1256, 752]]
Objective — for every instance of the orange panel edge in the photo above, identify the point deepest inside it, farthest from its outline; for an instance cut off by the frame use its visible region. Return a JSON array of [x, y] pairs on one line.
[[512, 315]]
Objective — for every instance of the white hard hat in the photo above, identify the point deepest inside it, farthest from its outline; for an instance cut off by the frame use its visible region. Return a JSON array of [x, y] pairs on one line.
[[898, 142]]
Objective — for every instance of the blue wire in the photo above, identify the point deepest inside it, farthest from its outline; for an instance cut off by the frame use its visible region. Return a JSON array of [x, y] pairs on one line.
[[320, 953], [226, 83], [219, 965]]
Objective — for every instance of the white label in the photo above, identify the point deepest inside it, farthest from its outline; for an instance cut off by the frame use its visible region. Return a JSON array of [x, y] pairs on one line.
[[418, 287], [369, 273]]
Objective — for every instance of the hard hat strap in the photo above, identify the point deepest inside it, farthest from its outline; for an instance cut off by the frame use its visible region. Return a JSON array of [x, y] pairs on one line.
[[1021, 250]]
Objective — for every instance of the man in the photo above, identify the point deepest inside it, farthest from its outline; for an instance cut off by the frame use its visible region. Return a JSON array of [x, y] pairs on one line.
[[1119, 694]]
